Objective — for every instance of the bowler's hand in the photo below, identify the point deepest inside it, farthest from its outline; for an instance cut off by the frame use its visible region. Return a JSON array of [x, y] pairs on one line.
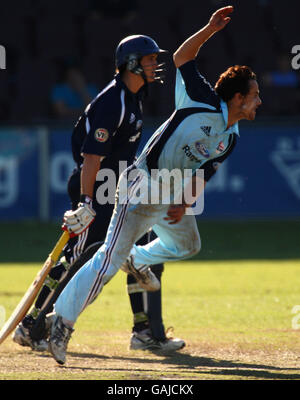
[[175, 213], [220, 18]]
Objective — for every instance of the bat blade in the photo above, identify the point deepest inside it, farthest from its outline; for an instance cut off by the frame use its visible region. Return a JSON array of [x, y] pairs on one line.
[[28, 298]]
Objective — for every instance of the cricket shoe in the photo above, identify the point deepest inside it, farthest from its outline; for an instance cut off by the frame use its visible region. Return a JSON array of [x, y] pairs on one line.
[[144, 341], [60, 334], [22, 337], [145, 277]]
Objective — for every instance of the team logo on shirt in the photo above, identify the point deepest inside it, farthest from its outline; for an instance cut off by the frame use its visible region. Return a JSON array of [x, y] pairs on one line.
[[101, 135], [202, 149]]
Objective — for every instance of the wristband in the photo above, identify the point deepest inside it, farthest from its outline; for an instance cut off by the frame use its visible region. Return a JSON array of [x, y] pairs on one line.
[[85, 199]]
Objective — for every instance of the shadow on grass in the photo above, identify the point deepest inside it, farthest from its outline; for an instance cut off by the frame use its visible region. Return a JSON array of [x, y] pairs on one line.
[[195, 365]]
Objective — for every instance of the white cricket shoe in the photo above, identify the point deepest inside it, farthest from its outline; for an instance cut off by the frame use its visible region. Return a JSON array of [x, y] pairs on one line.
[[145, 277], [144, 341], [60, 334], [22, 337]]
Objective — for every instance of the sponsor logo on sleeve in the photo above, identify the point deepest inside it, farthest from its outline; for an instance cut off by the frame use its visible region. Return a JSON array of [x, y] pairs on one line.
[[101, 135], [202, 149]]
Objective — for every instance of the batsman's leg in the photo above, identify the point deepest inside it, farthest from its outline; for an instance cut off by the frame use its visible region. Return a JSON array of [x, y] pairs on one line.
[[148, 331], [147, 315], [22, 334], [39, 329]]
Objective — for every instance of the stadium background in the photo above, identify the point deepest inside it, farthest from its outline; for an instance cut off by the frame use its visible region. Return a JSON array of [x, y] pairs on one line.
[[256, 193]]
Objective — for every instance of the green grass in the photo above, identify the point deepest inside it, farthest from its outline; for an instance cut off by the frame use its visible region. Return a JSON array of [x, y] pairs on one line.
[[232, 304], [236, 317], [221, 240]]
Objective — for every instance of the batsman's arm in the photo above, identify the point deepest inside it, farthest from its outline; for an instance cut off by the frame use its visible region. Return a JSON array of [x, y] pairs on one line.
[[77, 221], [190, 48], [90, 168]]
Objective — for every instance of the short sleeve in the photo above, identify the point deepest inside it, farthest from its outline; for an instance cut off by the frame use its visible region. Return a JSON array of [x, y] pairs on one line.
[[102, 121]]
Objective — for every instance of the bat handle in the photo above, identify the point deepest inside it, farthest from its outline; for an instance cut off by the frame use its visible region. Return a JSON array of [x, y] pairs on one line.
[[59, 246]]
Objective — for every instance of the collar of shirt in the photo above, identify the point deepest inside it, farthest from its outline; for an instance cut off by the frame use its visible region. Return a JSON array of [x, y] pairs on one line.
[[235, 127]]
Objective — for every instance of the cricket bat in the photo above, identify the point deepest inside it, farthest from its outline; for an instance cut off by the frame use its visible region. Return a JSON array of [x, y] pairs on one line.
[[28, 298]]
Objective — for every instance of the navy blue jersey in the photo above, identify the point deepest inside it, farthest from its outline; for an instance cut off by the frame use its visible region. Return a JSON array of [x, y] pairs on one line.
[[110, 126], [196, 135]]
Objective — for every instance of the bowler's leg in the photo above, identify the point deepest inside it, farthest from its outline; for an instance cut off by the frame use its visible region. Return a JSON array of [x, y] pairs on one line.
[[174, 242]]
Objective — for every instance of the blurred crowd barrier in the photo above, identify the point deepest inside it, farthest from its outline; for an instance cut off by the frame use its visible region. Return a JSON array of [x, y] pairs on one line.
[[261, 179]]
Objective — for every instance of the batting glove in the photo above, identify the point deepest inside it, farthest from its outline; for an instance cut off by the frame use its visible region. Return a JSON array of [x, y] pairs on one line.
[[76, 222]]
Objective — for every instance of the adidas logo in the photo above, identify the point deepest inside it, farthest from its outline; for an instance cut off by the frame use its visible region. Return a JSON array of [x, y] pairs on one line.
[[206, 130]]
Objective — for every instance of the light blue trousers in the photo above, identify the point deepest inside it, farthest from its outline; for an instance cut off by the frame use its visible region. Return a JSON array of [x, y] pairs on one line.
[[129, 223]]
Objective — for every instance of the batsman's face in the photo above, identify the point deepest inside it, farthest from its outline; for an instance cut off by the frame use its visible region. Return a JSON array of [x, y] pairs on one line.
[[251, 101], [149, 64]]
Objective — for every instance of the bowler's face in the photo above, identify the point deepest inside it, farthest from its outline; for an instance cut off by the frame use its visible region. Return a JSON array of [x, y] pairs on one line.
[[251, 101]]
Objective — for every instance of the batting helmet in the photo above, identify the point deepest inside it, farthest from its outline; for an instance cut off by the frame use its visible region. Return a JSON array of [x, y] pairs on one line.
[[132, 48]]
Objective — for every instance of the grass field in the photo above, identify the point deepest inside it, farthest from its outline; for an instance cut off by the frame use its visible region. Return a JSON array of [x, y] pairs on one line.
[[236, 316]]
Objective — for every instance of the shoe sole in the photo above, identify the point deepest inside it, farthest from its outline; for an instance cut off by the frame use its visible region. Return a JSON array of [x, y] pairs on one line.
[[168, 351], [150, 347], [141, 346]]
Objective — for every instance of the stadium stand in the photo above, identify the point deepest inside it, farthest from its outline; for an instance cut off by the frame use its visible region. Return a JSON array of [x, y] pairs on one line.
[[36, 34]]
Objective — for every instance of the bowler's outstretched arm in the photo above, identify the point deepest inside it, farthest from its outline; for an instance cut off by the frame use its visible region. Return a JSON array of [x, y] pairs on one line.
[[190, 48]]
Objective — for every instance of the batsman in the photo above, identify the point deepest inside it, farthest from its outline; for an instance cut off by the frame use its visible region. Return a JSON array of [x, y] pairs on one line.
[[107, 133]]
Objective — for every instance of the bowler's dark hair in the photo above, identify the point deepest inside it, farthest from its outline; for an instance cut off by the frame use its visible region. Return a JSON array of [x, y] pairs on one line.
[[234, 80]]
